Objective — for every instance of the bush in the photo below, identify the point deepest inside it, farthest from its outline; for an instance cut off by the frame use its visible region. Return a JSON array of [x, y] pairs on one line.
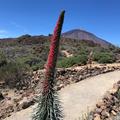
[[15, 75], [38, 66], [68, 62], [32, 61], [3, 59], [104, 57]]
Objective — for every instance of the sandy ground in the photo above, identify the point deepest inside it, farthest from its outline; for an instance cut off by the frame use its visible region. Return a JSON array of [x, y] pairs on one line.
[[79, 97], [67, 54]]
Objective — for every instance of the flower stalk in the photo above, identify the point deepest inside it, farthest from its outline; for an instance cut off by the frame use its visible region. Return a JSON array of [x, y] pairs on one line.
[[48, 107]]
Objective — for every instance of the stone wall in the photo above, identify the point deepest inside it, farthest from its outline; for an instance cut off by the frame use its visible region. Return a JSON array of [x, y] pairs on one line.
[[109, 107], [68, 76]]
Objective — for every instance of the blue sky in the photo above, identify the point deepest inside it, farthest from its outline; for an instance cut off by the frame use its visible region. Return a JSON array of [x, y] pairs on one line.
[[35, 17]]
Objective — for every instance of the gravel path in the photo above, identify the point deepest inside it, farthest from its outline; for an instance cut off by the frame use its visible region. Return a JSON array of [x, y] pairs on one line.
[[79, 97]]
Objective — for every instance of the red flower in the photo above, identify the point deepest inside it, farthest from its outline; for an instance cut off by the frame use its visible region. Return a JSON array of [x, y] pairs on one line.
[[53, 53]]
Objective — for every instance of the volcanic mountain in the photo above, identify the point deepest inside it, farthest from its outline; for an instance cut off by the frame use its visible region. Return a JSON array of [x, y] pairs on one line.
[[85, 35]]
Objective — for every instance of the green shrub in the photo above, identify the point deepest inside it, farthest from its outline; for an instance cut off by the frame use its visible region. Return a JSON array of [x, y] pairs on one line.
[[81, 50], [3, 59], [38, 66], [15, 75], [68, 62], [32, 61], [104, 57]]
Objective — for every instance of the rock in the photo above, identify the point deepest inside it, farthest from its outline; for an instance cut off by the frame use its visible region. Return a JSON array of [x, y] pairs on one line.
[[80, 77], [21, 91], [2, 84], [116, 100], [100, 103], [118, 82], [97, 117], [58, 82], [117, 61], [115, 85], [1, 96], [17, 99], [107, 96], [98, 110], [113, 112], [5, 94], [8, 98], [24, 88], [114, 90], [105, 113], [6, 108], [115, 108], [25, 103], [109, 106], [60, 86]]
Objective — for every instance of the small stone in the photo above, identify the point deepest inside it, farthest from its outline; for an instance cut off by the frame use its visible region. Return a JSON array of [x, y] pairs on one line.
[[1, 96], [80, 77], [98, 110], [5, 94], [25, 103], [100, 103], [114, 90], [105, 113], [8, 98], [118, 82], [60, 86], [21, 92], [113, 112], [24, 88], [97, 117], [2, 83]]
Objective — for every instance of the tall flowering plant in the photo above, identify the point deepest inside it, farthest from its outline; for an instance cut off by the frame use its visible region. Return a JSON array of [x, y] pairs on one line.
[[48, 107]]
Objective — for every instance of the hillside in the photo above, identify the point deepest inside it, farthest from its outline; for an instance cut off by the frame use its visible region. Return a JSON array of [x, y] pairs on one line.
[[33, 51], [85, 35]]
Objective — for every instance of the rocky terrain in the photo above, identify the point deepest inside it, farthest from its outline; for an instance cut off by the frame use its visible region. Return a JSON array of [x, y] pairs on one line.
[[83, 102], [109, 107], [15, 100]]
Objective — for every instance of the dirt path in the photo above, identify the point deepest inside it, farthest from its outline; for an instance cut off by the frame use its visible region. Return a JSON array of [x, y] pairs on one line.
[[77, 97], [67, 54]]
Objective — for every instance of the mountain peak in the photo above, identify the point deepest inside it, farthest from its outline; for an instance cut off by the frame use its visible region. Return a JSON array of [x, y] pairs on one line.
[[80, 34]]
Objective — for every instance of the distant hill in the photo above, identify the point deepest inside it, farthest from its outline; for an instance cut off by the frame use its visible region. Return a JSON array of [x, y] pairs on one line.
[[84, 35], [33, 50]]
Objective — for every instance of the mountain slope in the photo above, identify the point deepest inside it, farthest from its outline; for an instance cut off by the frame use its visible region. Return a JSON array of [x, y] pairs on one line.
[[84, 35], [33, 50]]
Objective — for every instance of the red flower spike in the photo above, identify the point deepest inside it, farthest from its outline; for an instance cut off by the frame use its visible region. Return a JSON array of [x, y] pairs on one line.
[[53, 53]]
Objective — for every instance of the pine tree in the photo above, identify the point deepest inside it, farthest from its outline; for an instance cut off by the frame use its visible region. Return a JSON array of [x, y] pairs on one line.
[[49, 106]]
